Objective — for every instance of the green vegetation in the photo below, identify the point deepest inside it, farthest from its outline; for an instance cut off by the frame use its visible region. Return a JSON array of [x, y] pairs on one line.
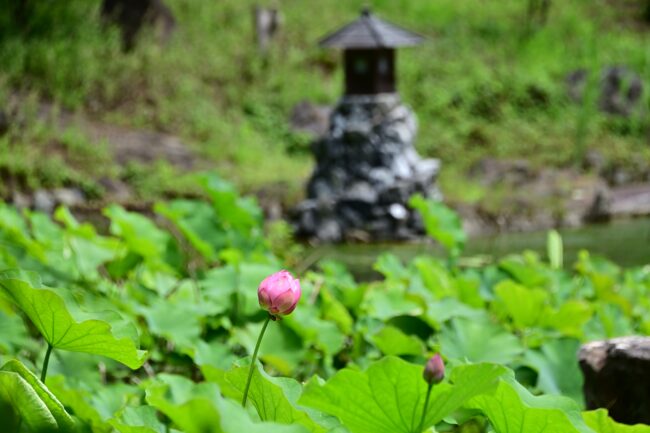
[[487, 82], [146, 323], [181, 286]]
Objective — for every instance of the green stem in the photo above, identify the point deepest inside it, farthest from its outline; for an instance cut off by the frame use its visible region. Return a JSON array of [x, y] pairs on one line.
[[424, 409], [252, 367], [46, 362]]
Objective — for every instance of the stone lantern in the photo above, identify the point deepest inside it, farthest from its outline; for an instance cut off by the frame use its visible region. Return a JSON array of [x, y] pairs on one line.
[[368, 46], [366, 165]]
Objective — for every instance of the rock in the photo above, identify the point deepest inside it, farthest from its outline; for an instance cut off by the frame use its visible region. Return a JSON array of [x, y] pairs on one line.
[[69, 197], [361, 191], [620, 202], [43, 201], [117, 190], [587, 201], [46, 201], [599, 210], [594, 161], [132, 15], [617, 377], [619, 91], [270, 200], [427, 170], [125, 144], [401, 113], [398, 211], [537, 198], [329, 231], [365, 210], [381, 178], [401, 168], [267, 22], [356, 130], [350, 217], [619, 176], [145, 146], [492, 171], [355, 235], [382, 229], [630, 200], [575, 84], [310, 118], [307, 212], [319, 187], [273, 210], [474, 224], [400, 192], [20, 200], [404, 132]]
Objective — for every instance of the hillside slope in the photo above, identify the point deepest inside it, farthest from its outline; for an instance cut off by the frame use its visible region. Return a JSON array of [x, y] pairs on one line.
[[488, 82]]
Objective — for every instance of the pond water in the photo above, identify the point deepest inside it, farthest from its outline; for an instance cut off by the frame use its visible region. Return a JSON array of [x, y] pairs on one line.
[[626, 242]]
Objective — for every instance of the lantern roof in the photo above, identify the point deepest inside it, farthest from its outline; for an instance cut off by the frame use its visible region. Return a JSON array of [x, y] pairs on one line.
[[369, 32]]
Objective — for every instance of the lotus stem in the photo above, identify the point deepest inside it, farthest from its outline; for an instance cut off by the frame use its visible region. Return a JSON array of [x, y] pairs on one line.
[[46, 362], [252, 367], [426, 406]]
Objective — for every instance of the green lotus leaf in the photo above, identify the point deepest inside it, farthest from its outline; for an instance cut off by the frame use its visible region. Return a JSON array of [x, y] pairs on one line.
[[49, 314]]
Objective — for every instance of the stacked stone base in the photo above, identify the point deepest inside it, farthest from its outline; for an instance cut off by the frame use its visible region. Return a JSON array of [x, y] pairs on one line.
[[367, 169]]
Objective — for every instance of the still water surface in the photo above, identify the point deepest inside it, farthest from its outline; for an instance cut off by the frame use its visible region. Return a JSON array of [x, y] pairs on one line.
[[626, 242]]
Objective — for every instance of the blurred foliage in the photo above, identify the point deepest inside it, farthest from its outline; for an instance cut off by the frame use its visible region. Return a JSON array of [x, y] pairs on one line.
[[481, 85], [180, 284]]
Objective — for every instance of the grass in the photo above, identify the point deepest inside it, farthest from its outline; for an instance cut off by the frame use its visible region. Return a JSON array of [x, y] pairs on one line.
[[481, 86]]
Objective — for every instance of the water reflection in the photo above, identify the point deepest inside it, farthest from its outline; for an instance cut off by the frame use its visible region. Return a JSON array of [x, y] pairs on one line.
[[626, 242]]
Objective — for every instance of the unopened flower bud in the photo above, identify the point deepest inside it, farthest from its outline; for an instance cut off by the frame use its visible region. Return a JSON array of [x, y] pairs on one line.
[[434, 371], [279, 293]]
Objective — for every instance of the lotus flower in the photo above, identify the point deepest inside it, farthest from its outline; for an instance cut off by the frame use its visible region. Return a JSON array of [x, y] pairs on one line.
[[279, 293], [434, 371]]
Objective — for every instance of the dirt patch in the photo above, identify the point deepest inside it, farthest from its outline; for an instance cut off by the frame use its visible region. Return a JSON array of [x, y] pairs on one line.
[[127, 145]]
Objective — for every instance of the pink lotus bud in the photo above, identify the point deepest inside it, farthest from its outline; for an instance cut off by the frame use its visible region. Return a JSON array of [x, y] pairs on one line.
[[434, 371], [279, 293]]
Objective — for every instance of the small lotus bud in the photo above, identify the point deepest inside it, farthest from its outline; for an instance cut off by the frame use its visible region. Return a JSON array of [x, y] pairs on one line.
[[434, 371], [279, 293]]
